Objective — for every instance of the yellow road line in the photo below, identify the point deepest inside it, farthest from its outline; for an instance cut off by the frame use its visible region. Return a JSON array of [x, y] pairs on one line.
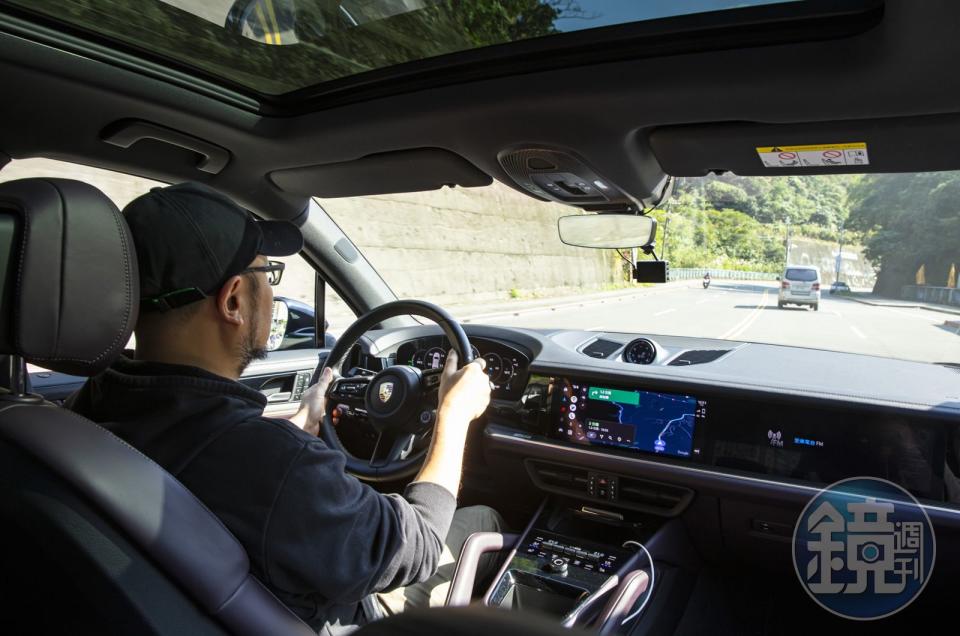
[[263, 24], [273, 20], [744, 324]]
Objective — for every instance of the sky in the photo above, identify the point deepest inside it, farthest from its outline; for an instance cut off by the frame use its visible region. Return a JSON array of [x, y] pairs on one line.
[[608, 12]]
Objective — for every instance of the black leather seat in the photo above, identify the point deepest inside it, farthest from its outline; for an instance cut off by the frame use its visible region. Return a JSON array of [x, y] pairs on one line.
[[94, 534]]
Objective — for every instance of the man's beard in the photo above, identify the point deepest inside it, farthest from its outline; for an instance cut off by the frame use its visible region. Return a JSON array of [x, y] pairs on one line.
[[250, 350]]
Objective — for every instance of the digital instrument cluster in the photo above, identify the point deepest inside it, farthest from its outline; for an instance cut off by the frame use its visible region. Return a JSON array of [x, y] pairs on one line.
[[505, 365]]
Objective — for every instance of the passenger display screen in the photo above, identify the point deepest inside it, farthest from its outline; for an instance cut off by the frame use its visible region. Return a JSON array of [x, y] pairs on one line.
[[661, 423]]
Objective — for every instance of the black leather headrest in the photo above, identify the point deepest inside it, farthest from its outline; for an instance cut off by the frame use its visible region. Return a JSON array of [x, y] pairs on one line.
[[69, 286]]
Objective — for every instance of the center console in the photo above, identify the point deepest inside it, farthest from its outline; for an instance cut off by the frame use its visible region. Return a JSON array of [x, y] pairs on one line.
[[567, 563], [550, 572]]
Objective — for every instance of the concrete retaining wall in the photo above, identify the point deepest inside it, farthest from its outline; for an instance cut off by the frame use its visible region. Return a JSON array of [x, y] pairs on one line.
[[856, 270], [511, 237]]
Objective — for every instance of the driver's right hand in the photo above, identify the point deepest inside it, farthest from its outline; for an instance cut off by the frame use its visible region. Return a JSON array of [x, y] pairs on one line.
[[465, 393]]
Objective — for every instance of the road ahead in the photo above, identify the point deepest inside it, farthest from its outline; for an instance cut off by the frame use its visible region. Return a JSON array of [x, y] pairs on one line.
[[749, 312]]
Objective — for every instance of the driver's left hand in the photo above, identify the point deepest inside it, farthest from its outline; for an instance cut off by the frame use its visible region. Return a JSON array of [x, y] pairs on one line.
[[312, 403]]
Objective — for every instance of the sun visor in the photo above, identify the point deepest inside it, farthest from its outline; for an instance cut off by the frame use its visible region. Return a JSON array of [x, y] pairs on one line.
[[908, 144], [390, 172]]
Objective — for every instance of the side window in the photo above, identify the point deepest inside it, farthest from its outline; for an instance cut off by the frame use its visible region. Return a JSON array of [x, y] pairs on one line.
[[296, 290], [120, 188]]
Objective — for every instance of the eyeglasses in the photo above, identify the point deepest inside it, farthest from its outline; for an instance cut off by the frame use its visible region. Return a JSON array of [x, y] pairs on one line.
[[273, 270]]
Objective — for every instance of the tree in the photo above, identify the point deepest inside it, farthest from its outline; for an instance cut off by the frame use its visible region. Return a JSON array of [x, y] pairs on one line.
[[909, 220], [722, 195]]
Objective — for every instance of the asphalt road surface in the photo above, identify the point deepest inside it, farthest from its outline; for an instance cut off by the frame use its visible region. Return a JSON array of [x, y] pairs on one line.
[[749, 312]]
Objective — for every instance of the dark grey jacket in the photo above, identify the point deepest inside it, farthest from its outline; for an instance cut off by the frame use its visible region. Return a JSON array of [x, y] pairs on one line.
[[318, 538]]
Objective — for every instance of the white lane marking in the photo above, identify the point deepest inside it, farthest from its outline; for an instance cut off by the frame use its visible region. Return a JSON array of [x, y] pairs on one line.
[[665, 312], [705, 300], [858, 332], [600, 328]]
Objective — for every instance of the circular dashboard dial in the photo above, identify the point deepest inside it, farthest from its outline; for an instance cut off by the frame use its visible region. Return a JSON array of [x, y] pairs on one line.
[[434, 358], [640, 351], [418, 358], [494, 366], [509, 370]]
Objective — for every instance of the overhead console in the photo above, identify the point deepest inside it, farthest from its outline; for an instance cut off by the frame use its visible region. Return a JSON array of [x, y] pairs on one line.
[[562, 177], [771, 438]]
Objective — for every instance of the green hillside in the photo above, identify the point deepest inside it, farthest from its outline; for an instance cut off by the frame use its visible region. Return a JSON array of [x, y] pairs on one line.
[[902, 221]]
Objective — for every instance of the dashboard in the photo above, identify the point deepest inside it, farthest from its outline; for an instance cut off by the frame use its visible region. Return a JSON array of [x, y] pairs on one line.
[[696, 413], [806, 443], [709, 416]]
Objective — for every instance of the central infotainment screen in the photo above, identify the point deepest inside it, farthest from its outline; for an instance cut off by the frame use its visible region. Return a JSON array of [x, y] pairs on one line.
[[655, 422]]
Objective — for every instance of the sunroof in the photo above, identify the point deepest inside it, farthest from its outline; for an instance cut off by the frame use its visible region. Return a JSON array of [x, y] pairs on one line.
[[274, 47]]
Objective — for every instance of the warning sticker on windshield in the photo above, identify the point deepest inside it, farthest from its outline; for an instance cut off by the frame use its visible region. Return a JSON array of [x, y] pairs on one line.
[[814, 156]]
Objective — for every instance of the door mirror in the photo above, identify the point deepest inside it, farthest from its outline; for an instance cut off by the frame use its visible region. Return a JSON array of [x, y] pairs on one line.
[[278, 325], [607, 231], [298, 327]]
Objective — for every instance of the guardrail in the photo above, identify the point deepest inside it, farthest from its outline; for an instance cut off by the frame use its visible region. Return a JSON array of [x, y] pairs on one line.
[[927, 294], [689, 273]]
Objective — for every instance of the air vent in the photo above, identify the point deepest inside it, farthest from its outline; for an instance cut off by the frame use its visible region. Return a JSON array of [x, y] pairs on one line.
[[601, 348], [654, 497], [698, 356], [561, 478], [619, 491]]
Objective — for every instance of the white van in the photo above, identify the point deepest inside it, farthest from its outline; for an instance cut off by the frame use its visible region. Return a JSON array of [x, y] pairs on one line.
[[800, 285]]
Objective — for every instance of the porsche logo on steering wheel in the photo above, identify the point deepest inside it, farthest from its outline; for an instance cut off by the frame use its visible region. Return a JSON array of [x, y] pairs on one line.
[[385, 391]]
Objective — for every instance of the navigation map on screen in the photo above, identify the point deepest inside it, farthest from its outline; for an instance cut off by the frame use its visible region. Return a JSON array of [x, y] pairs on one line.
[[662, 423]]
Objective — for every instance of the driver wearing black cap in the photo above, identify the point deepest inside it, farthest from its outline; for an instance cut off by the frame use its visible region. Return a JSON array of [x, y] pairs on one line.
[[337, 552]]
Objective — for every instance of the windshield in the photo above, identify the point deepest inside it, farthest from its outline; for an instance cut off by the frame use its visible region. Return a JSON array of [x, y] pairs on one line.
[[493, 256], [807, 275]]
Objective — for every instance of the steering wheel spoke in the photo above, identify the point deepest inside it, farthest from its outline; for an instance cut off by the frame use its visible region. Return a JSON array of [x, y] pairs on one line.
[[430, 381], [400, 446], [349, 390], [431, 378]]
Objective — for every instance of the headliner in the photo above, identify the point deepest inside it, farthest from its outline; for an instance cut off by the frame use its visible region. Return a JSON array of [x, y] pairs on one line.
[[888, 81]]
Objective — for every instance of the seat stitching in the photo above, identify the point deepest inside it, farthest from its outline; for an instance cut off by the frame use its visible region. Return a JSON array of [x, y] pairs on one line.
[[127, 294]]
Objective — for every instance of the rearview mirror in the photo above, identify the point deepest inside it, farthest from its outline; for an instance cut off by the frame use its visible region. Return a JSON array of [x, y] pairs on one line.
[[610, 231]]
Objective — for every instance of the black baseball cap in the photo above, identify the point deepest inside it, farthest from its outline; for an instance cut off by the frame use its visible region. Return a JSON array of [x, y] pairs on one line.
[[190, 240]]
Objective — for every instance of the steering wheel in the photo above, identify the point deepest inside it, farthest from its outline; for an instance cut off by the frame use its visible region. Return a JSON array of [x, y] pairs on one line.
[[400, 402]]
